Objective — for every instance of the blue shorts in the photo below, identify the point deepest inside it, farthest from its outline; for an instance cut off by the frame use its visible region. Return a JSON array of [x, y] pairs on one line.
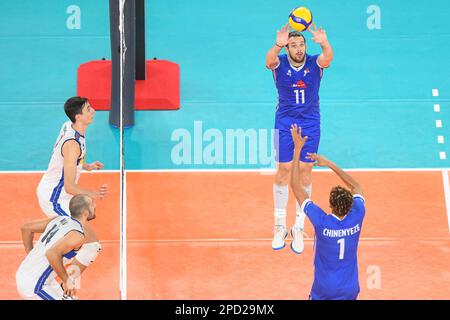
[[284, 145], [347, 296]]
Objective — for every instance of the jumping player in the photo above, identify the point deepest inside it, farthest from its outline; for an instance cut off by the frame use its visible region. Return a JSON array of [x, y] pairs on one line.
[[297, 78], [336, 234]]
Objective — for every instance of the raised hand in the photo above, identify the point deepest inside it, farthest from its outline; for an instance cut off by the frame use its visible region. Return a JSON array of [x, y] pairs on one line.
[[320, 160], [296, 133], [283, 35], [319, 35]]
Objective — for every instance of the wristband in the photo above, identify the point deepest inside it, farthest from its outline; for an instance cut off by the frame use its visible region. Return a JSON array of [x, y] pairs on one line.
[[278, 45]]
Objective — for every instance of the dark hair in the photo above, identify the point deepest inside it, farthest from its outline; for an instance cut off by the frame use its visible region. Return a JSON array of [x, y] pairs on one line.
[[78, 204], [74, 106], [296, 34], [341, 201]]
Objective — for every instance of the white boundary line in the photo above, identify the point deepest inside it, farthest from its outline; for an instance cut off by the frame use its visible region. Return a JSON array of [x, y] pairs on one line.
[[273, 170], [270, 239], [124, 240], [43, 171], [447, 194], [235, 170]]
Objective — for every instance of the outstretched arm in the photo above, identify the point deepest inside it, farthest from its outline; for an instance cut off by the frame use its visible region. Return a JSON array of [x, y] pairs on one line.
[[296, 185], [320, 37], [29, 229], [351, 183], [272, 60]]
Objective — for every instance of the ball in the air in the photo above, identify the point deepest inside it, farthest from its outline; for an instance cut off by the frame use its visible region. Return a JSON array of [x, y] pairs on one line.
[[300, 18]]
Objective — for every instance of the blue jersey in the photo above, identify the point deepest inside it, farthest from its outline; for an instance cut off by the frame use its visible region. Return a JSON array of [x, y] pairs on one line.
[[336, 245], [298, 93]]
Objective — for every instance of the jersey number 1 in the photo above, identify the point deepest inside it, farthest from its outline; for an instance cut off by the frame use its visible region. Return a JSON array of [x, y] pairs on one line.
[[297, 96], [341, 248]]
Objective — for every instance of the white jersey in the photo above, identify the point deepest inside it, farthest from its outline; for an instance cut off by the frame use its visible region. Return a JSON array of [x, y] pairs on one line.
[[51, 193], [35, 270]]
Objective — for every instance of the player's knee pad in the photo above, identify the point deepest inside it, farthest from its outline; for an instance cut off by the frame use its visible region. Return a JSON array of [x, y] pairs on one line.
[[88, 253]]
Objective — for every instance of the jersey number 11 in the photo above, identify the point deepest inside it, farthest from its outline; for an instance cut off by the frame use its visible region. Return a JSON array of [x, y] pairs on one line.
[[297, 96]]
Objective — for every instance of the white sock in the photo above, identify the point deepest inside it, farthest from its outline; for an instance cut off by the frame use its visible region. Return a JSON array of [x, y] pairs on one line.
[[300, 215], [280, 199], [308, 190]]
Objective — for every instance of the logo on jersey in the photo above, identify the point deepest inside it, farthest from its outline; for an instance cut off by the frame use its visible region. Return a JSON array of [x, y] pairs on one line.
[[305, 72], [289, 73], [299, 84]]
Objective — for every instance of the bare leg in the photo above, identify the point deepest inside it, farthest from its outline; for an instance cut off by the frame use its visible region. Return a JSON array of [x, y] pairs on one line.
[[283, 173], [306, 175]]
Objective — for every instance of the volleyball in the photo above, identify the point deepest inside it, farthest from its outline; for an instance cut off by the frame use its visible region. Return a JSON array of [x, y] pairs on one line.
[[300, 18]]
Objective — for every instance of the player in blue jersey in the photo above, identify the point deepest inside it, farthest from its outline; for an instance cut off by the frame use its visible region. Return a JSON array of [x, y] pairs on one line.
[[297, 77], [336, 234]]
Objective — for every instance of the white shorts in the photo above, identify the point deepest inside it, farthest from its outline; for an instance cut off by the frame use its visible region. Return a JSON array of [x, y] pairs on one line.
[[29, 290], [58, 207]]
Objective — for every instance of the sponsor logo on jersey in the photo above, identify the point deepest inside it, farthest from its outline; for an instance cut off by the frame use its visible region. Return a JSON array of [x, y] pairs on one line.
[[299, 84], [289, 73]]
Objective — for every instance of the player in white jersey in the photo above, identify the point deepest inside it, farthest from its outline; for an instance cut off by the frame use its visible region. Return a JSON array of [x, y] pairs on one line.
[[60, 183], [61, 238]]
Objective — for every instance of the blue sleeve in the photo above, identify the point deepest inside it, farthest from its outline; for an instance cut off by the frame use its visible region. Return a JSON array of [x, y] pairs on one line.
[[281, 57], [315, 63], [314, 213], [359, 204]]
